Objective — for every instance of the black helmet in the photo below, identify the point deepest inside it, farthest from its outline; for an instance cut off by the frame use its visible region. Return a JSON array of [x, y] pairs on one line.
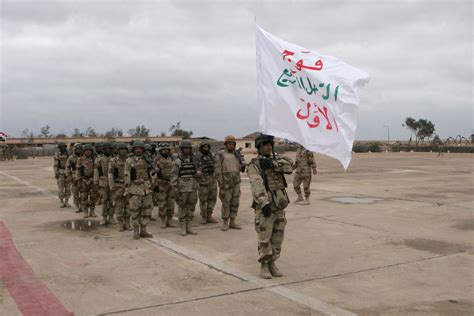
[[263, 139]]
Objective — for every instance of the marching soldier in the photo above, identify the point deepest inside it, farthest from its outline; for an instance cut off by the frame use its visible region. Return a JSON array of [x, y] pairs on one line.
[[101, 180], [71, 174], [63, 182], [268, 186], [85, 175], [165, 197], [116, 174], [207, 182], [183, 179], [228, 165], [137, 181], [304, 164]]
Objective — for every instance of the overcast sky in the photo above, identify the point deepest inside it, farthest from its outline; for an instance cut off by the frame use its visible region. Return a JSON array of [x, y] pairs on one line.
[[121, 63]]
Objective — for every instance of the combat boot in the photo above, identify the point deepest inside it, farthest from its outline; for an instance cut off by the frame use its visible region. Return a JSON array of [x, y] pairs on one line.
[[169, 222], [126, 224], [211, 219], [66, 203], [233, 224], [121, 227], [299, 198], [104, 221], [144, 233], [225, 225], [112, 220], [92, 213], [79, 209], [62, 203], [86, 213], [265, 271], [152, 219], [183, 232], [305, 202], [189, 229], [204, 220], [136, 234], [163, 221], [274, 270]]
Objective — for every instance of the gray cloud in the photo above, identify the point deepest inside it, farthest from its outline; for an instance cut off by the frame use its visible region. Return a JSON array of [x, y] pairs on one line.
[[122, 63]]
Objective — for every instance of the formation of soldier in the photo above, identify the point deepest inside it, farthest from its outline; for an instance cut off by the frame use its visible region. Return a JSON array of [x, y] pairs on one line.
[[128, 181]]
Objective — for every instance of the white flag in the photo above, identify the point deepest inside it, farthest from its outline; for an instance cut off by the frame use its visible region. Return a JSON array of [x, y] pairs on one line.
[[307, 97]]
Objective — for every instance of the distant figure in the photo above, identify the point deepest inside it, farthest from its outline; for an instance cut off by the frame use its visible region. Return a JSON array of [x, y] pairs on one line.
[[63, 181], [304, 165]]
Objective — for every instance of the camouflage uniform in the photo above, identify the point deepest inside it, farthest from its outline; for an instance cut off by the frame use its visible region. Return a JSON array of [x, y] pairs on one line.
[[71, 174], [138, 188], [116, 174], [304, 164], [183, 179], [204, 160], [63, 181], [268, 184], [85, 175], [228, 166], [102, 181], [165, 197], [97, 153]]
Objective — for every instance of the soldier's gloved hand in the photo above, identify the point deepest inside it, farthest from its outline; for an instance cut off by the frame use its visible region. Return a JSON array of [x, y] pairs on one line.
[[267, 210], [242, 168]]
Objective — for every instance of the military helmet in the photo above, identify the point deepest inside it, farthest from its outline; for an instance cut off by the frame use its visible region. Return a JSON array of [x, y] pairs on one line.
[[78, 146], [107, 145], [263, 139], [100, 145], [121, 146], [162, 146], [229, 139], [185, 143], [87, 147], [138, 144], [204, 143], [61, 144], [148, 147]]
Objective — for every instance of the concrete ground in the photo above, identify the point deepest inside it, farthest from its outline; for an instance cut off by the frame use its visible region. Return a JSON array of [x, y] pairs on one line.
[[392, 236]]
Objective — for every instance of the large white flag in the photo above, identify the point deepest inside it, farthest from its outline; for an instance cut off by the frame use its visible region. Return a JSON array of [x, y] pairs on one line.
[[307, 97]]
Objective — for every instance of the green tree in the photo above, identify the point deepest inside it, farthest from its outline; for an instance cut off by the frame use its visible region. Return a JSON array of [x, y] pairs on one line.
[[139, 131], [45, 131], [90, 132], [176, 130]]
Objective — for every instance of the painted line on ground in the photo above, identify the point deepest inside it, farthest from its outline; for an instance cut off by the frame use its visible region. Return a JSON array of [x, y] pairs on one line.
[[30, 294], [43, 191], [311, 302]]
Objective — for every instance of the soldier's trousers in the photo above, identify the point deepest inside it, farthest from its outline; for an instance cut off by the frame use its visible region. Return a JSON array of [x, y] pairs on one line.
[[64, 186], [121, 206], [230, 201], [305, 179], [107, 208], [186, 204], [271, 232], [140, 209], [165, 200], [88, 195], [76, 194], [207, 198]]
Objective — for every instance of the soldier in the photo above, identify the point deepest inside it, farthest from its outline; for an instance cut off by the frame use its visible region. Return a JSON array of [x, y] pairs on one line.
[[304, 164], [71, 174], [137, 181], [85, 175], [101, 180], [228, 165], [268, 184], [166, 194], [97, 153], [64, 183], [183, 180], [117, 187], [204, 161]]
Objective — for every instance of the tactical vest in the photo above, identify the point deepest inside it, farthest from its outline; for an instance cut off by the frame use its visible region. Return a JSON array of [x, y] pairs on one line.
[[165, 165], [62, 159], [207, 165], [119, 169], [275, 180], [87, 167], [187, 168], [73, 162], [141, 168], [230, 163], [103, 166]]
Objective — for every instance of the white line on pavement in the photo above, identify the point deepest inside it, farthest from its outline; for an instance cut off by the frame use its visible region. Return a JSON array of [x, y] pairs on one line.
[[44, 191]]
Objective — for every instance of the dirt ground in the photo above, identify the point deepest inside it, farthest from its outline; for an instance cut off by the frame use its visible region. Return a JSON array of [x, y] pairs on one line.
[[392, 236]]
